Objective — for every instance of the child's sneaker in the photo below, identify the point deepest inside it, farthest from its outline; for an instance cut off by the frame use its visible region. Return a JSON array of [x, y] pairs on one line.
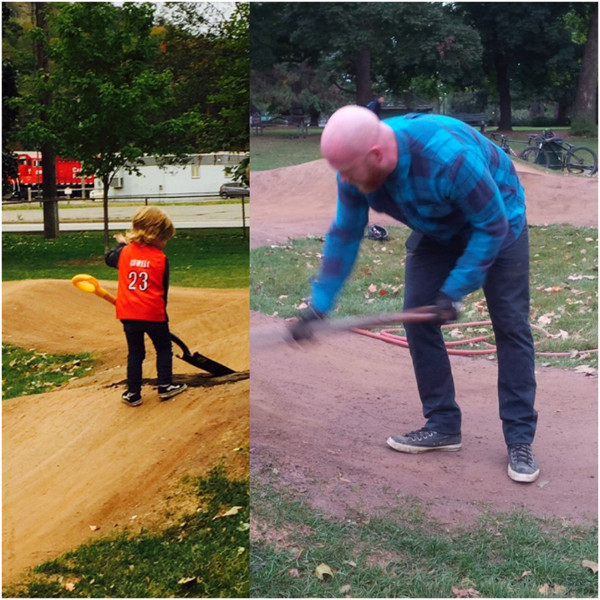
[[131, 398], [168, 391]]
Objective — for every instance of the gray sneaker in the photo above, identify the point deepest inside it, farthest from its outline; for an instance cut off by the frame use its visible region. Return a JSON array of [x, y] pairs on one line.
[[521, 463], [424, 440]]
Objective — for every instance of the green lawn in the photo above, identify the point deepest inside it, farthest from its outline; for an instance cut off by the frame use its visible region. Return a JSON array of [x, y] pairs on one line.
[[204, 258], [299, 552]]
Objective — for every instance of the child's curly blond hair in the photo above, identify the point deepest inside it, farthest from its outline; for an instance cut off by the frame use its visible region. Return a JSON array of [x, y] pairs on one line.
[[150, 225]]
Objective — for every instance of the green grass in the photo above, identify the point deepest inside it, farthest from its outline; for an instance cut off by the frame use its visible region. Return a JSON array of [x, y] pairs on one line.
[[29, 372], [205, 258], [564, 279], [204, 554], [282, 148], [405, 553]]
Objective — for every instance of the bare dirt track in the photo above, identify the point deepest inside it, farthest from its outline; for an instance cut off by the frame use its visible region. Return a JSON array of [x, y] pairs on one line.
[[77, 458], [320, 415]]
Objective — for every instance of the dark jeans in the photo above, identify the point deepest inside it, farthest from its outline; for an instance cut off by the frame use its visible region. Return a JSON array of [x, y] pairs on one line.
[[160, 335], [506, 290]]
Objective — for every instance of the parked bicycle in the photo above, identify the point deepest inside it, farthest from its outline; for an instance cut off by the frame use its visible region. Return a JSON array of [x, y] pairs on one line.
[[504, 144], [552, 152]]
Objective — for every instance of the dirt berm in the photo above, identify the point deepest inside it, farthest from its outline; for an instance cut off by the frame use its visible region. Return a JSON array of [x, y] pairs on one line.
[[77, 463]]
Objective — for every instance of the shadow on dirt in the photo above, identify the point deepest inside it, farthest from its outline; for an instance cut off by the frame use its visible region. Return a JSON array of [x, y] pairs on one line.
[[203, 380]]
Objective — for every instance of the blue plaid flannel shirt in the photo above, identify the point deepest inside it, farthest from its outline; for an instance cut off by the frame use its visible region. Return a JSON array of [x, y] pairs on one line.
[[449, 181]]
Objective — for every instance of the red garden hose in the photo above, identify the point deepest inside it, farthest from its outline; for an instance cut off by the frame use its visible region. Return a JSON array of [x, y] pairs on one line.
[[392, 337]]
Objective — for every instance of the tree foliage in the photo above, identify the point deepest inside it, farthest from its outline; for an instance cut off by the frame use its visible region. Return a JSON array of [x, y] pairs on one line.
[[360, 49], [209, 63], [125, 83], [320, 55], [526, 47]]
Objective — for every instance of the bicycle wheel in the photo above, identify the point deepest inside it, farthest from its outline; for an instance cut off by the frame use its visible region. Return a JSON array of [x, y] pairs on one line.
[[581, 161], [532, 154]]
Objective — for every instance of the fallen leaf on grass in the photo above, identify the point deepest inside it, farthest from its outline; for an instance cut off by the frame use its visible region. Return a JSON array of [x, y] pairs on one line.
[[546, 319], [345, 589], [586, 370], [549, 589], [294, 573], [590, 564], [234, 510], [323, 571], [580, 277], [465, 593]]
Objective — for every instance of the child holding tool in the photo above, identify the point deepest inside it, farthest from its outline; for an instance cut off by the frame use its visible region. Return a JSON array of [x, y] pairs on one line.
[[142, 299]]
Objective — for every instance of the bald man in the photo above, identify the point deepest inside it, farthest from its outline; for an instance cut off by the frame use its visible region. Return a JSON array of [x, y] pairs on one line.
[[462, 198]]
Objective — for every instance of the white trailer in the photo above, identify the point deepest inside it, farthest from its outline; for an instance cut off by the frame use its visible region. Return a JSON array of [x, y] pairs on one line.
[[203, 174]]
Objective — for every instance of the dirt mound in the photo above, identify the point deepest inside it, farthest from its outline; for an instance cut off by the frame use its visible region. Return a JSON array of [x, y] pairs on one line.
[[297, 201], [77, 457], [321, 419]]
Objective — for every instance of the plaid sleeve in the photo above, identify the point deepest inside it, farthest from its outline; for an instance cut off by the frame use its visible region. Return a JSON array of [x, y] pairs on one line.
[[478, 196], [341, 247]]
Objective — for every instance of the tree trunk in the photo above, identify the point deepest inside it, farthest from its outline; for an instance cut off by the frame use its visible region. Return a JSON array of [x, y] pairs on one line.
[[503, 82], [585, 100], [49, 200], [363, 76], [562, 114]]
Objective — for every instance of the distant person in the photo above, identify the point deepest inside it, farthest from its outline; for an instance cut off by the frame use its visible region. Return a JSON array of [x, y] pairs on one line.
[[461, 196], [142, 299], [375, 105]]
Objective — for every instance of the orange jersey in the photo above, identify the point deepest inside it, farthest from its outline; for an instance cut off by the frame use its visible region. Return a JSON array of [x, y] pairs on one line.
[[143, 283]]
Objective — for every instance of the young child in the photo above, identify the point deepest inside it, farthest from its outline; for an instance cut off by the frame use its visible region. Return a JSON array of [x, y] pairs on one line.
[[142, 299]]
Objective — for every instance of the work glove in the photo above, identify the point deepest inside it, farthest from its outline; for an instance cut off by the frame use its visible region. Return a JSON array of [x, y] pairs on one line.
[[446, 309], [302, 329]]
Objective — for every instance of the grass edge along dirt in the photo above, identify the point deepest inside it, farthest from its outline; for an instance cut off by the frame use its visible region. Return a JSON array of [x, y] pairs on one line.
[[405, 553], [564, 280], [26, 372], [203, 553]]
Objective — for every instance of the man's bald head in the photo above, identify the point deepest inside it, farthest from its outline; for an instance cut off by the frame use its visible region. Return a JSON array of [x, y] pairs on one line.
[[360, 146], [349, 134]]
